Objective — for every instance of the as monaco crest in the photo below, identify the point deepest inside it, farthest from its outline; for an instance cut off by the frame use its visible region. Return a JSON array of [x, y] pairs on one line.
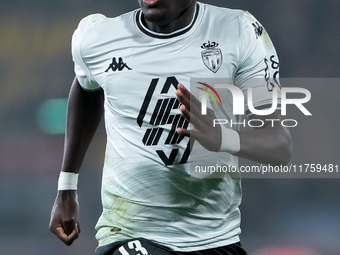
[[212, 56]]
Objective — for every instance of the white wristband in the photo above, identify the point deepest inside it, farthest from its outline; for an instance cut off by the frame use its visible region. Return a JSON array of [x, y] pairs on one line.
[[68, 181], [230, 141]]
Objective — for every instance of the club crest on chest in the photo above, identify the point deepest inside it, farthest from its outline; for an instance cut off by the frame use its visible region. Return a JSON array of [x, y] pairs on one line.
[[212, 56]]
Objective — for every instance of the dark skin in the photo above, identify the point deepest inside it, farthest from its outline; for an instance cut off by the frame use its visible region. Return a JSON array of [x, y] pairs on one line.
[[268, 145], [85, 110]]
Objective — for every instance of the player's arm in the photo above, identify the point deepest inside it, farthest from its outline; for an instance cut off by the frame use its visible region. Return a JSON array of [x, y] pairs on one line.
[[270, 144], [84, 112]]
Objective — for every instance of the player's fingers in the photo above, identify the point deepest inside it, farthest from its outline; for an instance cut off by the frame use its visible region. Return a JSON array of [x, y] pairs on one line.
[[193, 134], [185, 112], [196, 120], [186, 93], [68, 226], [73, 236], [186, 98], [65, 238], [184, 132], [60, 233], [182, 97], [183, 89]]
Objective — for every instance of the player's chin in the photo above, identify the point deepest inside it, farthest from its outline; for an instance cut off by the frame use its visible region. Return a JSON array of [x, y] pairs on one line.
[[155, 15]]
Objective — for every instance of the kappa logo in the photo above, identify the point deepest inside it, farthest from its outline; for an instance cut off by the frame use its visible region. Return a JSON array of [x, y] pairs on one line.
[[120, 65], [258, 29], [212, 56], [161, 116]]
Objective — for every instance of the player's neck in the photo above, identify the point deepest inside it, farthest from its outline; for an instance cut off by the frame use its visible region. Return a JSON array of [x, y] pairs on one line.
[[169, 26]]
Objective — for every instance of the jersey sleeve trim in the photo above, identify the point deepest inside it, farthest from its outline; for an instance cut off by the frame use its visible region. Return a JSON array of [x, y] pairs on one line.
[[81, 70]]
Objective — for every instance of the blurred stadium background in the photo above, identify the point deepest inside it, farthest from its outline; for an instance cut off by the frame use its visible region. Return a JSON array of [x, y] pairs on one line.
[[280, 216]]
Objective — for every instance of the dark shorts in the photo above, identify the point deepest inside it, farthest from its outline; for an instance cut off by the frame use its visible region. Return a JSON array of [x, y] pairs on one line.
[[142, 246]]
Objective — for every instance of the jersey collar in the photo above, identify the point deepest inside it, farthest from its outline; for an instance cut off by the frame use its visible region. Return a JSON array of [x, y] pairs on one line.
[[165, 36]]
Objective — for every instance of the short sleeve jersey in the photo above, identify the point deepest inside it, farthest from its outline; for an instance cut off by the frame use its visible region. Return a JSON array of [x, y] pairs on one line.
[[147, 189]]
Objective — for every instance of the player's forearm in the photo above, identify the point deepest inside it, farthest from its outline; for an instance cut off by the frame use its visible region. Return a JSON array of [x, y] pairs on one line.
[[85, 110], [266, 145]]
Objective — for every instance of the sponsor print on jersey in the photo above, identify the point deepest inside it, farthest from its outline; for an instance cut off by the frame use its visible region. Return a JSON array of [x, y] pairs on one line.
[[161, 116], [272, 72], [117, 66], [212, 56]]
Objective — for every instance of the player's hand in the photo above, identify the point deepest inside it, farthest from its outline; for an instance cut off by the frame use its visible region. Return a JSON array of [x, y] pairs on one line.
[[204, 132], [64, 216]]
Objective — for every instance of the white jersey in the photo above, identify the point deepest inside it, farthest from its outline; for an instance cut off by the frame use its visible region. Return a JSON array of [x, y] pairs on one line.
[[147, 190]]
